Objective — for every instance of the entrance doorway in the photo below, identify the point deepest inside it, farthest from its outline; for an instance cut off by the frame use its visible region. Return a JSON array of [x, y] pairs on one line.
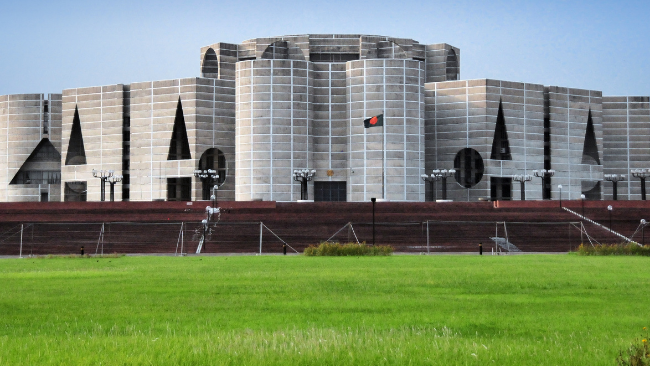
[[500, 189], [179, 189]]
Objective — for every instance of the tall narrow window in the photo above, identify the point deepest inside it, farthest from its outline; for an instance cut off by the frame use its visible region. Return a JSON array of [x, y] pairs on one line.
[[590, 148], [76, 152], [179, 147], [500, 144], [46, 117]]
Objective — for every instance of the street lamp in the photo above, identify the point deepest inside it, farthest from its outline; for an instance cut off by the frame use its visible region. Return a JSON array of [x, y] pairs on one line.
[[431, 179], [610, 209], [444, 174], [559, 186], [112, 180], [522, 179], [303, 176], [614, 178], [208, 177], [544, 174], [641, 174], [103, 175], [582, 198]]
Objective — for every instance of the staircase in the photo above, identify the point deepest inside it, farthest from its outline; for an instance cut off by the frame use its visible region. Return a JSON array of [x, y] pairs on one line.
[[505, 244], [627, 240]]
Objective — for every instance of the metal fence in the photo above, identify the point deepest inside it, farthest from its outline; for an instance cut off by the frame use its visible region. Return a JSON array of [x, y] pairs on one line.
[[267, 238]]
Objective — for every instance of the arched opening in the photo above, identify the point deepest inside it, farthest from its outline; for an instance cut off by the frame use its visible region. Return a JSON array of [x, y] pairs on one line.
[[469, 167], [214, 159], [452, 66], [283, 50], [210, 65]]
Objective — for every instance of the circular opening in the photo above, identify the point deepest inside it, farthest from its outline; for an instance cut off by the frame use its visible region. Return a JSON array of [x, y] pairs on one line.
[[469, 167]]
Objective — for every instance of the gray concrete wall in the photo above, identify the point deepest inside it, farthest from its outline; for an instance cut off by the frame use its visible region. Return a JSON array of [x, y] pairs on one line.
[[330, 127], [463, 114], [208, 107], [100, 114], [436, 62], [386, 162], [569, 110], [274, 122], [626, 142], [22, 128]]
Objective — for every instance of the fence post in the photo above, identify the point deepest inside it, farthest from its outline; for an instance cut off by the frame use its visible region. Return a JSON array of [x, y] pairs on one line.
[[21, 241], [428, 237], [261, 226]]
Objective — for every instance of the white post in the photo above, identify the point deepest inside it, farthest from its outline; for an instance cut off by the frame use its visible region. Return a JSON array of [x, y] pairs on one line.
[[182, 236], [21, 240], [261, 226], [102, 239]]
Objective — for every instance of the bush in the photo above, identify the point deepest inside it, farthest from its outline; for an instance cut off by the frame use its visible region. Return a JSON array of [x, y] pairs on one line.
[[614, 249], [349, 249], [637, 355]]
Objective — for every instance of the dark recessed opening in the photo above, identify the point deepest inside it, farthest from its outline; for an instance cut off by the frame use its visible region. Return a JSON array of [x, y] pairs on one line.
[[469, 167]]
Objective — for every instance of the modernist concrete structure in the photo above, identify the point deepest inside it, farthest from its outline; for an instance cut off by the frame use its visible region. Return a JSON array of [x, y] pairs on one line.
[[268, 106]]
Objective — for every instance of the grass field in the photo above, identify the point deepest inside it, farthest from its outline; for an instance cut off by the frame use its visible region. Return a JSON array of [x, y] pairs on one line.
[[295, 310]]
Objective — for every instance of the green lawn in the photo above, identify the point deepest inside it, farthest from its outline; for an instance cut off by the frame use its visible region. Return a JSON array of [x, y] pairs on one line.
[[295, 310]]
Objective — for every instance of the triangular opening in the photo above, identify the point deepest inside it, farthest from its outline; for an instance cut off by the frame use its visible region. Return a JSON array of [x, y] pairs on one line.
[[76, 152], [590, 149], [500, 144], [179, 147], [43, 166]]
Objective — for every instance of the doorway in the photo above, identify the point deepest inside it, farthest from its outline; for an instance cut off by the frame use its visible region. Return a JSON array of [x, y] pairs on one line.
[[500, 189]]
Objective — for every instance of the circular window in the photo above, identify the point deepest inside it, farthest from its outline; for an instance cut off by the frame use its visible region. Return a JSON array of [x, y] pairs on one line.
[[469, 167]]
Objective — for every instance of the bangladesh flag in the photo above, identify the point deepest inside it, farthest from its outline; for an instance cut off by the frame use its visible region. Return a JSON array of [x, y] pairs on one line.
[[375, 121]]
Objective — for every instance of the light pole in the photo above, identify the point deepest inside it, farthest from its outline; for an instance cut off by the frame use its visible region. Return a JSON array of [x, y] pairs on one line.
[[103, 175], [614, 178], [373, 200], [582, 198], [444, 174], [303, 176], [432, 187], [559, 186], [522, 179], [207, 177], [610, 209], [641, 174], [544, 174], [112, 180]]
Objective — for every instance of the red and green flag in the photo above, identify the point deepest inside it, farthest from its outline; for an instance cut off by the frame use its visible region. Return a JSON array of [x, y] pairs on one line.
[[374, 121]]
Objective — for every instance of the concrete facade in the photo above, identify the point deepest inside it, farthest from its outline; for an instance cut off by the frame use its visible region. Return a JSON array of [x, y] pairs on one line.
[[626, 142], [266, 107], [30, 126]]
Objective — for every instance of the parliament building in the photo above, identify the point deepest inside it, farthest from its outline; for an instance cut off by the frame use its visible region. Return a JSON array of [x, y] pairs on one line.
[[266, 107]]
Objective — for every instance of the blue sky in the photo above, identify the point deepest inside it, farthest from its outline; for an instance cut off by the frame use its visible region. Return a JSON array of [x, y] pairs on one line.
[[55, 45]]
